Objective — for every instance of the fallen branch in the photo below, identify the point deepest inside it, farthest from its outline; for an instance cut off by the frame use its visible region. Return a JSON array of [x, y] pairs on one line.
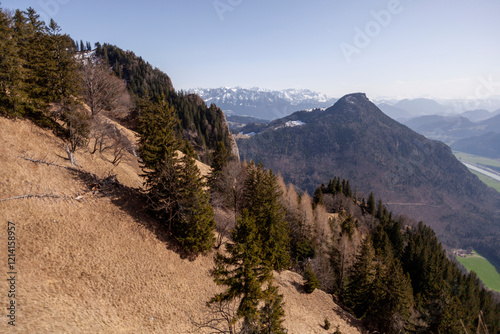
[[33, 196], [47, 163]]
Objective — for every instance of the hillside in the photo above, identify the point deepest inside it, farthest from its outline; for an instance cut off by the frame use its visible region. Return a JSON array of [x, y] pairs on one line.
[[89, 258], [413, 175]]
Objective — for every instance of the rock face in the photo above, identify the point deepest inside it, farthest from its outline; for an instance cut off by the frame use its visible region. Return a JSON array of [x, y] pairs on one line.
[[413, 175]]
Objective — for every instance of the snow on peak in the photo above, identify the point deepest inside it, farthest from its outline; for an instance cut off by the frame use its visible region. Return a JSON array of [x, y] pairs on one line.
[[291, 124]]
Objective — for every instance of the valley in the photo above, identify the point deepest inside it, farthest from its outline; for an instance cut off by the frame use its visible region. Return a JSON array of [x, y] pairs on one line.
[[486, 169], [484, 270]]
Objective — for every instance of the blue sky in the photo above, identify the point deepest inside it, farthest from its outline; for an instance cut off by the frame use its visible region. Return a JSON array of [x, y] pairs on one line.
[[390, 48]]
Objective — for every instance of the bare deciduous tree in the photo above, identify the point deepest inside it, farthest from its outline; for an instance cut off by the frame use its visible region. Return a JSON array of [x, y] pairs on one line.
[[77, 123], [101, 89]]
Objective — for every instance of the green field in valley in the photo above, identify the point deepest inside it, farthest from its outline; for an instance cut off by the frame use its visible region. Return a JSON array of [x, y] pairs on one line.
[[477, 160], [484, 270], [488, 180]]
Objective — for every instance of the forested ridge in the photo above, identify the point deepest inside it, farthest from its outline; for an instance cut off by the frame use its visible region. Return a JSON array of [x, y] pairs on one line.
[[203, 127]]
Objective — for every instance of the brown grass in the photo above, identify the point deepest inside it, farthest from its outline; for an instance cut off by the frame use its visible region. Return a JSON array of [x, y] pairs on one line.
[[98, 264]]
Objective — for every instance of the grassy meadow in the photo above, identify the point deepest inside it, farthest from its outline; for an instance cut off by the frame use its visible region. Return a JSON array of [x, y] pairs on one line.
[[484, 269]]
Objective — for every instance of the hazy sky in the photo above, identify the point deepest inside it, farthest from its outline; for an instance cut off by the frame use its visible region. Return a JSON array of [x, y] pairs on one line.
[[406, 48]]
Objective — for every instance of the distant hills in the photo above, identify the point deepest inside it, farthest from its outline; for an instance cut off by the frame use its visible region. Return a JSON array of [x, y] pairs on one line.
[[414, 175], [487, 145], [460, 132]]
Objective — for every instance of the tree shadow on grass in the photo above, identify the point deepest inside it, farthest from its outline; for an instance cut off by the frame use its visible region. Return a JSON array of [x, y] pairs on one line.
[[132, 201]]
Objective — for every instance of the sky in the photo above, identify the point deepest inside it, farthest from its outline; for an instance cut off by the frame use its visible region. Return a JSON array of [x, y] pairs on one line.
[[385, 48]]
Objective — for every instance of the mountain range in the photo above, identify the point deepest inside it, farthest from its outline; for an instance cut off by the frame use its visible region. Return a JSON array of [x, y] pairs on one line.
[[414, 175], [263, 103]]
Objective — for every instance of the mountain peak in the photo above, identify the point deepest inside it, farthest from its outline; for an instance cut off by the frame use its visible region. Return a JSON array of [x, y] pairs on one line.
[[357, 96], [357, 105]]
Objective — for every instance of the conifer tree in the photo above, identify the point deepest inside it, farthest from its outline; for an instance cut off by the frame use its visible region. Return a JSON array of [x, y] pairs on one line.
[[360, 282], [158, 149], [61, 67], [220, 160], [32, 43], [263, 201], [272, 313], [195, 228], [243, 272], [312, 282], [175, 186], [371, 204], [318, 197], [392, 301], [11, 69]]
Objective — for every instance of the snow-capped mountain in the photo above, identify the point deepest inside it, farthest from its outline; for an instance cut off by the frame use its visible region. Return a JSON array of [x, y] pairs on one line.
[[263, 103]]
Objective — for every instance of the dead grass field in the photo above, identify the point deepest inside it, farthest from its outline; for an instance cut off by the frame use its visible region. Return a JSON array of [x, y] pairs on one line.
[[98, 264]]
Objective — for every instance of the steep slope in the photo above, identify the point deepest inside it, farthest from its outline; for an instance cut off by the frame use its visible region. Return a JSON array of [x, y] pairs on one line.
[[413, 175], [90, 260]]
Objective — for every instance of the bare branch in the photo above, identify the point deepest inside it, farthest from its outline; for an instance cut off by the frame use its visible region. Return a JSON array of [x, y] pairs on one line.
[[34, 196]]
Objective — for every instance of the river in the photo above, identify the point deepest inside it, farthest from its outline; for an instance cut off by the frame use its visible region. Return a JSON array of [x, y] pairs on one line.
[[483, 171]]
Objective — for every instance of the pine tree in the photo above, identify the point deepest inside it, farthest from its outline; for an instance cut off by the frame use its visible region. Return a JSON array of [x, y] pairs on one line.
[[158, 147], [11, 70], [272, 313], [392, 301], [32, 43], [360, 282], [243, 272], [318, 197], [263, 200], [312, 282], [174, 186], [220, 160], [195, 228], [61, 67], [371, 204]]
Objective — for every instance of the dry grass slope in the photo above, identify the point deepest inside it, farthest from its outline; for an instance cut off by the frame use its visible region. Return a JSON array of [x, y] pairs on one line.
[[97, 264]]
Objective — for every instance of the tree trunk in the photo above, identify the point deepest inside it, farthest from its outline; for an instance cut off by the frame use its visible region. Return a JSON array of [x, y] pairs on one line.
[[71, 156]]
